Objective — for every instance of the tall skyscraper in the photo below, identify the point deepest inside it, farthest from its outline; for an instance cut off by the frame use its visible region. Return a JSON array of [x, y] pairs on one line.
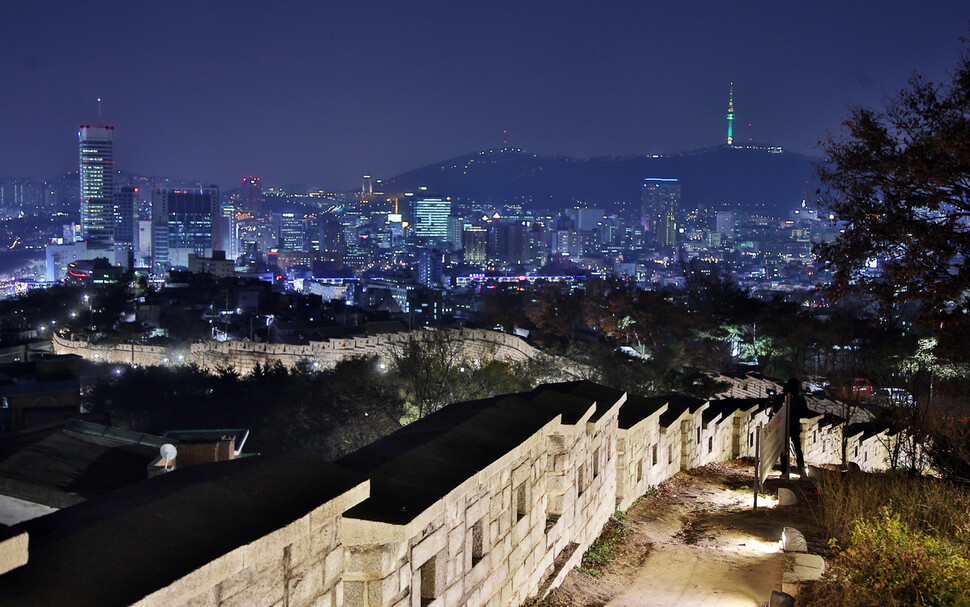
[[660, 204], [730, 116], [431, 218], [182, 223], [97, 169]]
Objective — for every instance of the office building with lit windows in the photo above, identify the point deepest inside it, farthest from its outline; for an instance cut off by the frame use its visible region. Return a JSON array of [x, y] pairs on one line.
[[97, 171], [292, 232], [474, 243], [660, 204], [431, 218], [183, 222]]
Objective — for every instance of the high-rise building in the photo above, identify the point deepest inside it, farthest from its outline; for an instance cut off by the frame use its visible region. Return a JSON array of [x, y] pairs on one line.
[[430, 267], [724, 223], [565, 238], [456, 226], [251, 196], [292, 232], [126, 202], [511, 241], [182, 223], [660, 204], [586, 219], [474, 241], [332, 237], [97, 170], [431, 218]]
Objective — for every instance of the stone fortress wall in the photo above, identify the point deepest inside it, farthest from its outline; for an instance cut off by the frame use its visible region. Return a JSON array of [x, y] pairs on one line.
[[299, 564], [243, 356], [515, 528], [437, 527]]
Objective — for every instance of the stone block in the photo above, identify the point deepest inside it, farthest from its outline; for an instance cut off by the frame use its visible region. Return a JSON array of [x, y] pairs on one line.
[[520, 530], [301, 549], [792, 540], [305, 582], [368, 558], [521, 474], [519, 576], [781, 599], [237, 582], [428, 547], [209, 598], [556, 483], [506, 595], [475, 575], [353, 594], [338, 594], [377, 593], [14, 552], [786, 497], [476, 510], [456, 541], [474, 599], [453, 569], [266, 588], [453, 595], [499, 570], [333, 567], [806, 568]]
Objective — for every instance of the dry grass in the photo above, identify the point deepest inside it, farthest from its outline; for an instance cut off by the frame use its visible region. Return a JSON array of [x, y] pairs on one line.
[[897, 540], [926, 504]]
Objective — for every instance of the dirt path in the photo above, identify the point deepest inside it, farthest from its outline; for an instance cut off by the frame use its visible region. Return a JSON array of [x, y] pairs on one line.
[[695, 543]]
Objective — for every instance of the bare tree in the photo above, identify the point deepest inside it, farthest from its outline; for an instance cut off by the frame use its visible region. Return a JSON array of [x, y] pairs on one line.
[[427, 366]]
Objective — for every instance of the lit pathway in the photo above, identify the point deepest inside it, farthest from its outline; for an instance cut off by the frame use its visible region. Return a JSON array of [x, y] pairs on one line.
[[710, 562]]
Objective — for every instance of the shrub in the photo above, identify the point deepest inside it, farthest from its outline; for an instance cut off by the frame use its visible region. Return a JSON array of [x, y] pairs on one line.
[[925, 504], [886, 562]]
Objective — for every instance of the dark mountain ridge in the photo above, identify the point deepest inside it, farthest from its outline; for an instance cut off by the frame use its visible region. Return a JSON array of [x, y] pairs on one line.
[[720, 177]]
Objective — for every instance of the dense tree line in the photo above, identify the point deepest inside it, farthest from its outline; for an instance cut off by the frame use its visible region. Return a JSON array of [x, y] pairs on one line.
[[330, 412]]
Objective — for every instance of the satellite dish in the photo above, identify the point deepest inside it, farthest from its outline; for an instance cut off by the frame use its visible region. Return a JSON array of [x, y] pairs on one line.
[[168, 453]]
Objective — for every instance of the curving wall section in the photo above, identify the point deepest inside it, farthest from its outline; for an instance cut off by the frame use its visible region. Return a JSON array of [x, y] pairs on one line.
[[477, 344]]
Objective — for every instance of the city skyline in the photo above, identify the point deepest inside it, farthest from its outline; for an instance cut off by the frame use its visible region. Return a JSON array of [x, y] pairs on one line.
[[323, 95]]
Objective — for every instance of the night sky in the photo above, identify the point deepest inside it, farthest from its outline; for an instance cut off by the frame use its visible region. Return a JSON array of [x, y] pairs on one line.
[[320, 92]]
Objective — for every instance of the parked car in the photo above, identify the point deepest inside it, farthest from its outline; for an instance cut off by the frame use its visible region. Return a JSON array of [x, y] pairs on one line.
[[892, 397], [813, 384], [859, 389]]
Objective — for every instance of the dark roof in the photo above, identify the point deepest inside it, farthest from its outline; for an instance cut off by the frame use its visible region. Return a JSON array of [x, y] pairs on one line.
[[120, 547], [69, 462], [587, 390], [419, 464], [727, 406], [678, 403], [637, 408], [868, 429], [829, 419]]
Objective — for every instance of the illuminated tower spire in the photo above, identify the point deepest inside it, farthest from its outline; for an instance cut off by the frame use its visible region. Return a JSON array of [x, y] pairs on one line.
[[730, 117]]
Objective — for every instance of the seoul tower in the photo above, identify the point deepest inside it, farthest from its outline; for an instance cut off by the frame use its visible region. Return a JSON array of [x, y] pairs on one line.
[[730, 116]]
